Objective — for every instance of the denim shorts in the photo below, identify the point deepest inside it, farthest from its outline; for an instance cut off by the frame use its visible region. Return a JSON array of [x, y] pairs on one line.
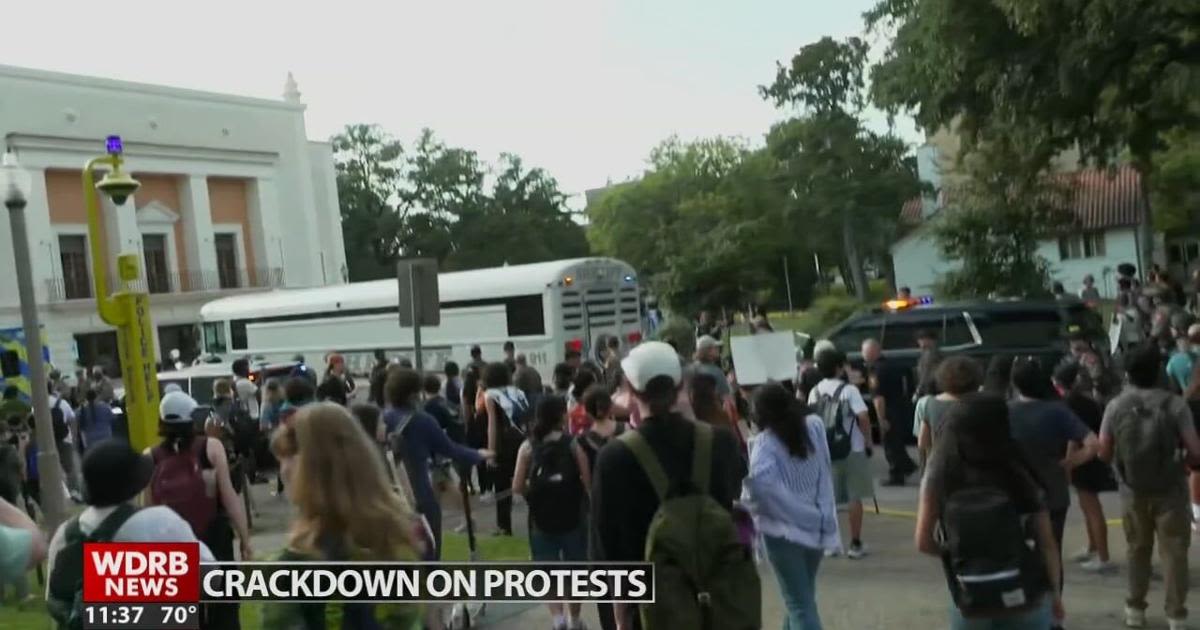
[[1036, 618], [568, 546]]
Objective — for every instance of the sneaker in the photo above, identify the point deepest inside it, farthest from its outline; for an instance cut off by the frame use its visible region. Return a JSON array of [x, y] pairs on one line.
[[1135, 618], [833, 553], [1084, 555], [856, 551], [1096, 565], [1177, 624]]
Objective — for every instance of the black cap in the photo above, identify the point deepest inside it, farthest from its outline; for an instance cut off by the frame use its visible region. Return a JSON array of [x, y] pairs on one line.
[[114, 473]]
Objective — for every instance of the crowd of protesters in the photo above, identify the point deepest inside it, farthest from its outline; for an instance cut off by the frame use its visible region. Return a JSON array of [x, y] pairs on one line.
[[612, 451]]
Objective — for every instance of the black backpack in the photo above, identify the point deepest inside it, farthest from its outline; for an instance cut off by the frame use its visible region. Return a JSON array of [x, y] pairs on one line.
[[555, 489], [58, 420], [834, 412], [990, 553], [65, 589]]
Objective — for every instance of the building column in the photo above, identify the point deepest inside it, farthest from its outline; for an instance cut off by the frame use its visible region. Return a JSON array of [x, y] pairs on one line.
[[198, 242], [265, 229]]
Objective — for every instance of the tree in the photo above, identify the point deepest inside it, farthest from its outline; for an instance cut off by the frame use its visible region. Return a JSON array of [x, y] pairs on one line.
[[704, 224], [443, 187], [433, 202], [845, 182], [994, 220], [1104, 75], [367, 162], [525, 219], [1176, 183]]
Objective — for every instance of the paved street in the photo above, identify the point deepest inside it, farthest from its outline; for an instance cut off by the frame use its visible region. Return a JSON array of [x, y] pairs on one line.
[[892, 588]]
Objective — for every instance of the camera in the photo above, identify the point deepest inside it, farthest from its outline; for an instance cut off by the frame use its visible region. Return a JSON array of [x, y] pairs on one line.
[[118, 186]]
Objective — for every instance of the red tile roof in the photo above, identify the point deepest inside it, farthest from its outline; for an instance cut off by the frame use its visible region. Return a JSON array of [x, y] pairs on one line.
[[1102, 198]]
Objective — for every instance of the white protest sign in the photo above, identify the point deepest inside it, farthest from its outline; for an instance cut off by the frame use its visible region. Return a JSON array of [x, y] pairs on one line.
[[764, 357]]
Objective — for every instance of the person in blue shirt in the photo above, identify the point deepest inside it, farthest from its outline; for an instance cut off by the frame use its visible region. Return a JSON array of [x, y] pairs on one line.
[[1179, 367], [416, 438], [95, 419]]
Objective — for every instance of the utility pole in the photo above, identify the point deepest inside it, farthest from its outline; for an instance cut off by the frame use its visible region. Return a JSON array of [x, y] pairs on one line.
[[15, 185]]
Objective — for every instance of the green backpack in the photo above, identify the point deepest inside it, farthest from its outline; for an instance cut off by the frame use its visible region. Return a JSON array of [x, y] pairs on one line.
[[65, 591], [705, 578]]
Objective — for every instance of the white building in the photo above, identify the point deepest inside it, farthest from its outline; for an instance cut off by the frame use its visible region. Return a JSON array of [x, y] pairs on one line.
[[234, 198], [1109, 212]]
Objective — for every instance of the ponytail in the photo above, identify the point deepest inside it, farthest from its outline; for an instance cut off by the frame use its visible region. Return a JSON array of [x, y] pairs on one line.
[[549, 418]]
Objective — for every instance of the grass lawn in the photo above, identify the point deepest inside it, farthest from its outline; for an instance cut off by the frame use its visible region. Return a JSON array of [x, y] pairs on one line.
[[491, 548]]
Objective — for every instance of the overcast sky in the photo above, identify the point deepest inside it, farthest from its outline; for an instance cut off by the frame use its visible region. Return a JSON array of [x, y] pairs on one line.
[[584, 89]]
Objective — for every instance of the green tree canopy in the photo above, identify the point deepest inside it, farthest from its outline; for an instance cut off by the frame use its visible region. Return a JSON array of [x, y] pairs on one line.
[[704, 224], [444, 202], [1104, 75], [845, 184]]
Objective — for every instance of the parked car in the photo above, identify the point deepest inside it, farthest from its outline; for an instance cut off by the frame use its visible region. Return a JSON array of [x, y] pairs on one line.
[[980, 329]]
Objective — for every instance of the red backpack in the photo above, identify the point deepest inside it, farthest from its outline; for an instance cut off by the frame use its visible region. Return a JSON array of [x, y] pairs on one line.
[[178, 483]]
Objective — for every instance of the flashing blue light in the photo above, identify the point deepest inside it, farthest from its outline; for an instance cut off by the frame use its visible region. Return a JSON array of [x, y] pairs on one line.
[[628, 278], [925, 300], [113, 145]]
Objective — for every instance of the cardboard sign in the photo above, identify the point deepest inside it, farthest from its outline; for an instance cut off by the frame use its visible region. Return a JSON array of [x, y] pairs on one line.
[[764, 357]]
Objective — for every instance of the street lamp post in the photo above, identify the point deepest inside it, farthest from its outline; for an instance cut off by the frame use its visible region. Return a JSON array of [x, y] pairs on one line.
[[15, 185], [127, 309]]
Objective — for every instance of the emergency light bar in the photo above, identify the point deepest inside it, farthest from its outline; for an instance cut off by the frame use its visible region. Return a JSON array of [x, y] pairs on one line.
[[903, 304]]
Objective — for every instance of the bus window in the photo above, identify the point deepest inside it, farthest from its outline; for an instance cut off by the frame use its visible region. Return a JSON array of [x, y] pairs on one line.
[[525, 315], [214, 338]]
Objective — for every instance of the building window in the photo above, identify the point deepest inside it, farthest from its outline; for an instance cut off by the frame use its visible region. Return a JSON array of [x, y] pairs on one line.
[[158, 274], [72, 253], [227, 260], [1085, 245]]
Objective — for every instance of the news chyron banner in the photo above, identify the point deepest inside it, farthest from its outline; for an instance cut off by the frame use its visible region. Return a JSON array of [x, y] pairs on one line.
[[164, 585]]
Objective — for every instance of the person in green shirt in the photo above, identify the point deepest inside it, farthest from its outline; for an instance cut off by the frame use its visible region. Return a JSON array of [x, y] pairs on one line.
[[12, 405]]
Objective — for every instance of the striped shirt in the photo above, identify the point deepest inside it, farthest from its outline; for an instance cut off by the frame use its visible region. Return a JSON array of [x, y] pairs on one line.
[[790, 497]]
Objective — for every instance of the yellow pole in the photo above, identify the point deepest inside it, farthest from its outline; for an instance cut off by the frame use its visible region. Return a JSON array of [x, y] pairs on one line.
[[129, 312]]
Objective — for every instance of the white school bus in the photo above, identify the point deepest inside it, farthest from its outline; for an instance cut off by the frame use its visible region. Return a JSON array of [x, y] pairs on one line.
[[543, 308]]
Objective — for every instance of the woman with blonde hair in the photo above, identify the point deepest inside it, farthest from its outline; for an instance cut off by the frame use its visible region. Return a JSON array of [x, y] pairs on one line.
[[346, 510]]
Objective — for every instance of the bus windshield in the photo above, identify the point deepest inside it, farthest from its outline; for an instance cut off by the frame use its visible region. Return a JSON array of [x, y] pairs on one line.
[[214, 337]]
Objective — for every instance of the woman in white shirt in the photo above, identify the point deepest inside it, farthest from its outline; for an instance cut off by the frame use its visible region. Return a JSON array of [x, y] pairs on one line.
[[789, 491]]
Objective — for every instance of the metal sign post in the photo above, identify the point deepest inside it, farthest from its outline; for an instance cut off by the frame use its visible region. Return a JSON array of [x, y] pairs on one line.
[[419, 303]]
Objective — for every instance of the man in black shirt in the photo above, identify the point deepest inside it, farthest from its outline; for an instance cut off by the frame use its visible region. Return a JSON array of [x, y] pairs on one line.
[[890, 402], [510, 356], [623, 500]]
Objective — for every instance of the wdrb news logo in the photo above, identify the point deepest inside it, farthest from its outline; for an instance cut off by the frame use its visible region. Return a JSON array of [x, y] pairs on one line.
[[141, 573], [167, 574]]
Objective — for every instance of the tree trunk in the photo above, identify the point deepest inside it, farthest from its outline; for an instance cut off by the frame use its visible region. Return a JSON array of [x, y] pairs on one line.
[[852, 260]]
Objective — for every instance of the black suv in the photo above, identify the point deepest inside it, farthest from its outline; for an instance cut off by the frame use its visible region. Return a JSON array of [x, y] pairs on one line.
[[981, 329]]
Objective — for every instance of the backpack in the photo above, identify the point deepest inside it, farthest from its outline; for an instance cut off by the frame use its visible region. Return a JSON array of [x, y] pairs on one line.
[[989, 553], [705, 578], [521, 410], [834, 411], [64, 593], [58, 420], [1147, 448], [555, 491], [178, 483], [243, 426]]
